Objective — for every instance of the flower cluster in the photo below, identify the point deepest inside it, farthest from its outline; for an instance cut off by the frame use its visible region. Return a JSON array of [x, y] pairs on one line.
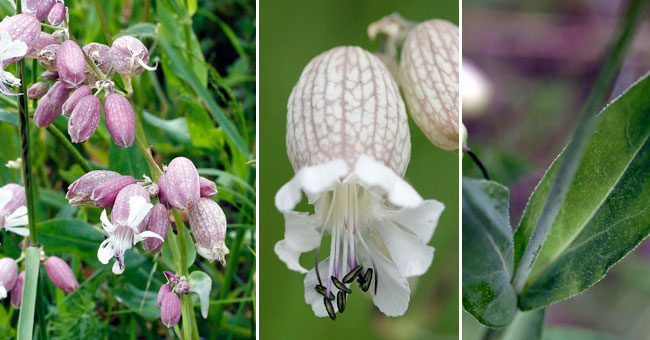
[[135, 219], [348, 140], [168, 301], [72, 73], [58, 271]]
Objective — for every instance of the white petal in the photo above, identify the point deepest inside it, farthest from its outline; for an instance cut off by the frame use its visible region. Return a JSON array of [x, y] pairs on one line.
[[312, 297], [3, 292], [105, 252], [17, 218], [18, 230], [106, 224], [12, 49], [312, 180], [422, 221], [117, 269], [5, 197], [290, 256], [138, 210], [300, 235], [371, 173], [412, 256], [393, 289], [146, 234]]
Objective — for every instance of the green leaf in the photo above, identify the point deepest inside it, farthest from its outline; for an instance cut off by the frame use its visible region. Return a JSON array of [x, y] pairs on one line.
[[167, 254], [562, 333], [139, 30], [9, 117], [524, 326], [487, 253], [201, 284], [127, 161], [175, 128], [191, 7], [201, 128], [184, 71], [27, 306], [605, 213], [132, 297], [70, 236]]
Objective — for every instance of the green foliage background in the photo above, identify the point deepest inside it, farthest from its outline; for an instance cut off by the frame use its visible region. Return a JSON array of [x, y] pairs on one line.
[[291, 33], [205, 112]]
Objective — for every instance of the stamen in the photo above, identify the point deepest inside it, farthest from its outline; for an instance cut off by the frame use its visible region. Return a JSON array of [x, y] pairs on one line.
[[316, 268], [374, 266], [340, 285], [330, 308], [323, 291], [352, 274], [340, 300]]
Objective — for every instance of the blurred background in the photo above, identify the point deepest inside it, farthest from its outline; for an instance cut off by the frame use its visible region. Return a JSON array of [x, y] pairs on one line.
[[292, 32], [527, 68]]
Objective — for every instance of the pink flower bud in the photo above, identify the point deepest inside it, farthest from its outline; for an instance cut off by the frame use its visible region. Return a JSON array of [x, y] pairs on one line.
[[17, 198], [172, 278], [170, 310], [164, 290], [44, 39], [50, 106], [81, 190], [37, 91], [40, 8], [50, 75], [57, 95], [47, 57], [180, 187], [159, 224], [17, 291], [100, 56], [161, 193], [57, 14], [208, 187], [120, 119], [8, 275], [60, 274], [70, 64], [129, 56], [21, 27], [74, 98], [121, 208], [84, 119], [105, 194], [183, 287], [208, 224]]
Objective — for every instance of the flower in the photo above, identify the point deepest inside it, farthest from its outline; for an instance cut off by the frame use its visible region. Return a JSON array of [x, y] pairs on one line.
[[208, 224], [8, 275], [170, 309], [13, 212], [123, 235], [9, 49], [348, 141], [180, 186], [129, 56], [61, 274], [80, 191]]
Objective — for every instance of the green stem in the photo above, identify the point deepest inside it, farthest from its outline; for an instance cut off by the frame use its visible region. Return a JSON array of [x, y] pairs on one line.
[[26, 316], [230, 272], [575, 150], [188, 38], [68, 146], [180, 228], [102, 20], [187, 328]]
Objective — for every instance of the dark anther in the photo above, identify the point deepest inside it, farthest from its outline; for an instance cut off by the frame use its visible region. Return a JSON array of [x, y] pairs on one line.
[[340, 285], [366, 280], [330, 308], [323, 291], [340, 300], [352, 274]]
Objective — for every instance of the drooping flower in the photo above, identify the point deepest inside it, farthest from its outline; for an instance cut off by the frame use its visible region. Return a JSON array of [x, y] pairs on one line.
[[84, 119], [13, 211], [208, 224], [129, 56], [124, 230], [349, 143], [180, 187], [80, 191], [17, 292], [61, 274], [9, 49], [120, 119], [8, 275], [170, 309]]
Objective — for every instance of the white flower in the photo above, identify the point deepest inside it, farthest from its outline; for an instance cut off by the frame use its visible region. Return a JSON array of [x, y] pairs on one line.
[[122, 237], [349, 143], [9, 49], [11, 221]]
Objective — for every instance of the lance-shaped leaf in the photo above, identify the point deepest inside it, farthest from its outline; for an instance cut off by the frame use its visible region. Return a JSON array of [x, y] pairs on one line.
[[201, 284], [487, 253], [606, 212]]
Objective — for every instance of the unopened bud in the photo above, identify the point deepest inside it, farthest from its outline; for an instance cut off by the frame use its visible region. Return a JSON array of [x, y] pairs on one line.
[[70, 64], [170, 310], [44, 40], [183, 287], [153, 190], [50, 75], [105, 194], [208, 187], [159, 224], [40, 8], [57, 14], [164, 289], [17, 291], [120, 119], [37, 91], [60, 274], [181, 184], [8, 275], [208, 224], [84, 119], [47, 57], [81, 190], [74, 99], [50, 105]]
